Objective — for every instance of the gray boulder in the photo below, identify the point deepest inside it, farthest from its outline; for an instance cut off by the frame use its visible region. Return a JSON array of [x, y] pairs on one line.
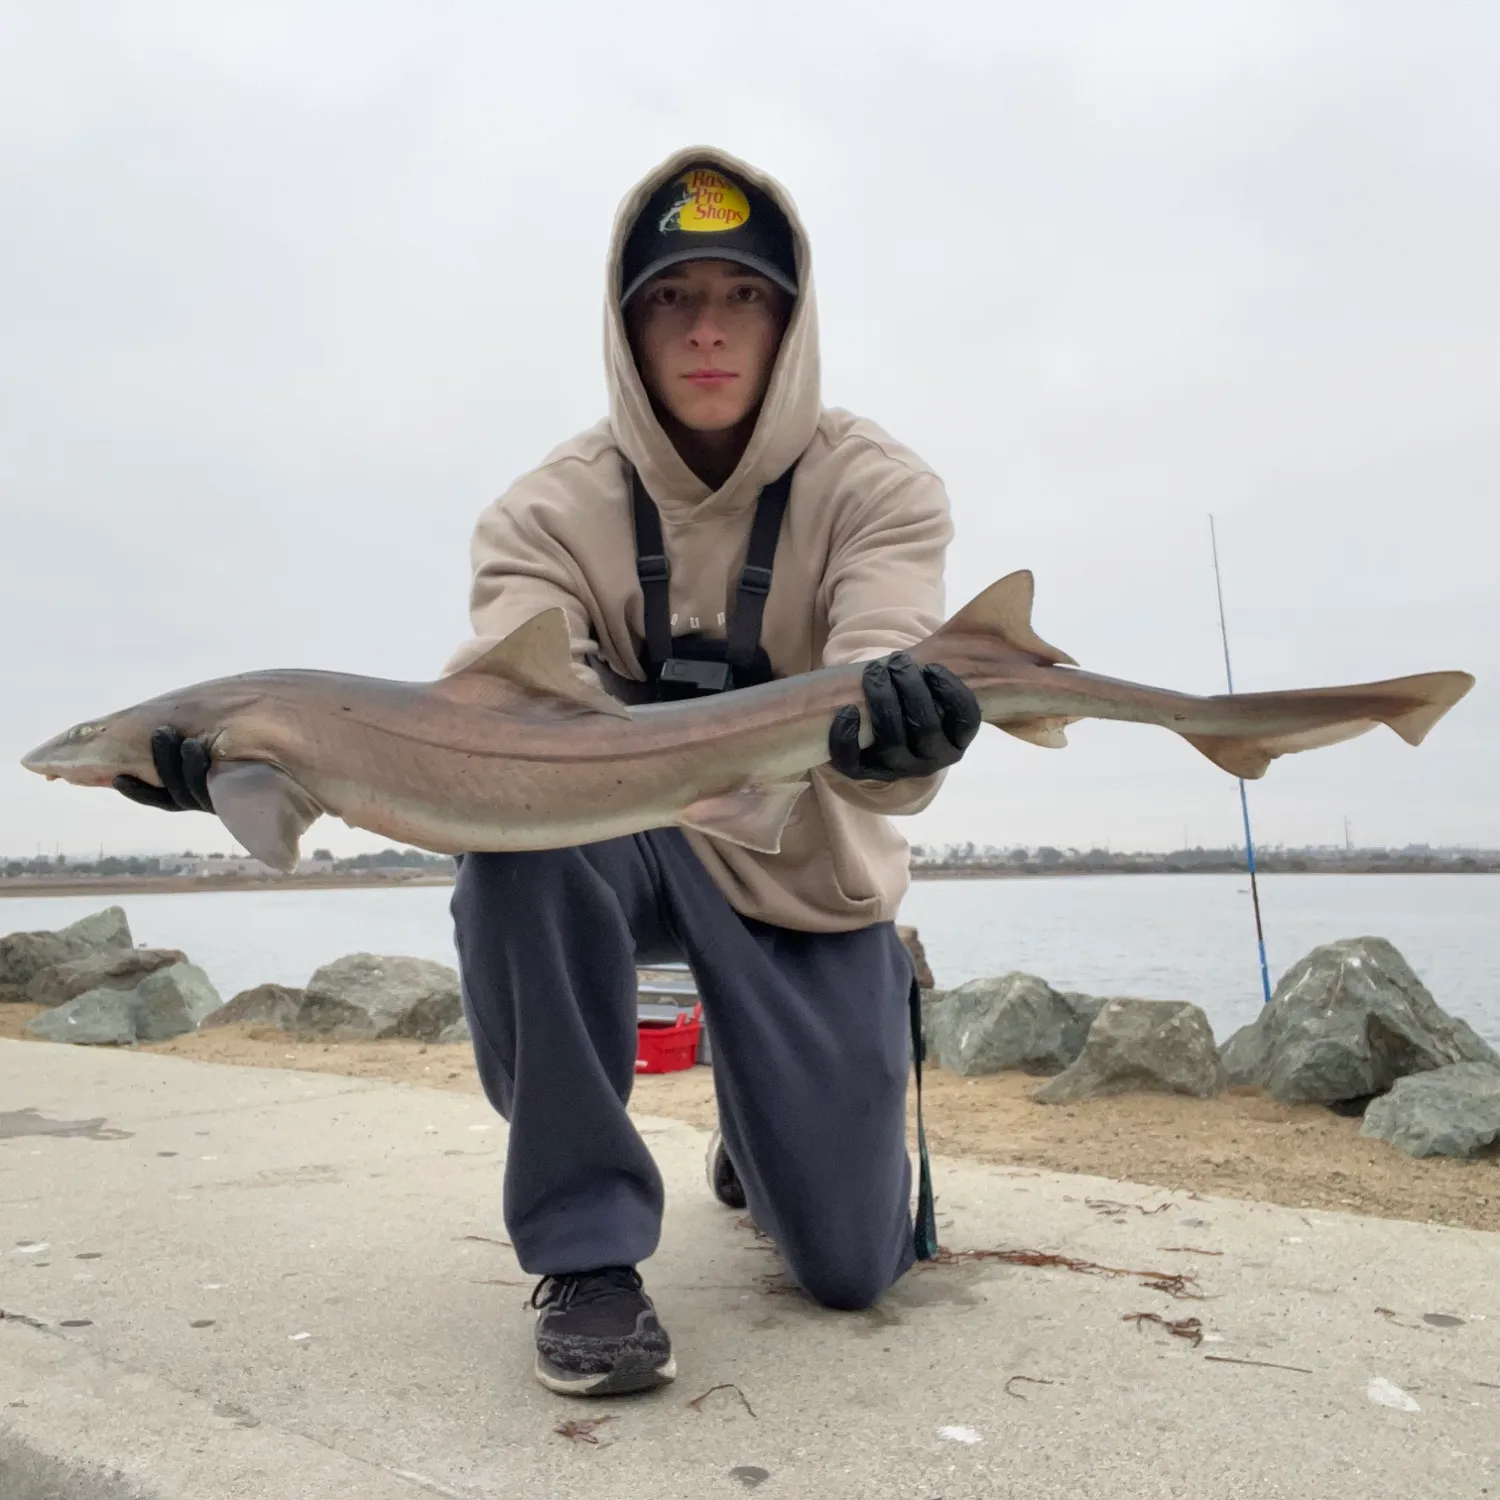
[[1142, 1046], [111, 969], [1345, 1023], [457, 1031], [23, 955], [367, 996], [1018, 1021], [1451, 1111], [913, 943], [97, 1018], [172, 1001], [165, 1003], [273, 1005]]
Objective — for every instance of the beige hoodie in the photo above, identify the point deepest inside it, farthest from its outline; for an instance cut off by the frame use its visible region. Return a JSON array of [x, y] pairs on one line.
[[858, 574]]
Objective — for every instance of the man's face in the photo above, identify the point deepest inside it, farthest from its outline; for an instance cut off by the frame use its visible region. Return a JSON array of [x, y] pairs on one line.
[[705, 336]]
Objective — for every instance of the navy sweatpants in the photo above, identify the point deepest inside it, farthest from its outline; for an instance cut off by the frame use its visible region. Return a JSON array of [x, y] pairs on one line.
[[811, 1049]]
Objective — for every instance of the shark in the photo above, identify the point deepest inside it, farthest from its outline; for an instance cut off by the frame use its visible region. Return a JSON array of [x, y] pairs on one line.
[[520, 750]]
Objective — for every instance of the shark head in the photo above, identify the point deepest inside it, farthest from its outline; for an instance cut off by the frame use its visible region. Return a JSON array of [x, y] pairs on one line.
[[94, 752]]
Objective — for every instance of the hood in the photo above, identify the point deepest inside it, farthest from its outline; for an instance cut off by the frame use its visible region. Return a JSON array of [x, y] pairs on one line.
[[788, 416]]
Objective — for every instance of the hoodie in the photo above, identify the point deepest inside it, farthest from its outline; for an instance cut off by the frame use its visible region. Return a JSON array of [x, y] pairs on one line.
[[858, 574]]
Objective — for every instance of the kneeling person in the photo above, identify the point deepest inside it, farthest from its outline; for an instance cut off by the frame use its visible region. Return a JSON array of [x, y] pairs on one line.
[[721, 527]]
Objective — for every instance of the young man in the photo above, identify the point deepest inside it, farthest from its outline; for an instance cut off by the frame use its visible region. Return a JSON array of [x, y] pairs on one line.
[[721, 527]]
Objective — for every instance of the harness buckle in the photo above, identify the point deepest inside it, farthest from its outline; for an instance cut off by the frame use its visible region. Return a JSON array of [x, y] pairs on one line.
[[653, 568], [700, 676], [756, 580]]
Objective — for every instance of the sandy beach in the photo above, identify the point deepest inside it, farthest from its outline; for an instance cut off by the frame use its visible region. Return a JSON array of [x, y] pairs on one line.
[[1241, 1145]]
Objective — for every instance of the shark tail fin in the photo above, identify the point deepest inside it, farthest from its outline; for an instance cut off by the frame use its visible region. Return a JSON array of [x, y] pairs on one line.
[[1430, 695], [1409, 705]]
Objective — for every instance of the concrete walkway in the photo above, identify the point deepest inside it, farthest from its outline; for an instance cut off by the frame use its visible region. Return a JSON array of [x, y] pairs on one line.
[[238, 1282]]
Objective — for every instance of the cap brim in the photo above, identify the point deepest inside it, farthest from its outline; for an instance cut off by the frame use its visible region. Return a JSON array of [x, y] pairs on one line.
[[755, 263]]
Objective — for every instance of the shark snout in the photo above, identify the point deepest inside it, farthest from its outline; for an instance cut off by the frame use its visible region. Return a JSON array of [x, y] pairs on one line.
[[39, 760], [64, 758]]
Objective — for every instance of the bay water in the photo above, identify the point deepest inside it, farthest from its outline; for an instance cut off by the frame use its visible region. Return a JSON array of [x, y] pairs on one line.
[[1159, 937]]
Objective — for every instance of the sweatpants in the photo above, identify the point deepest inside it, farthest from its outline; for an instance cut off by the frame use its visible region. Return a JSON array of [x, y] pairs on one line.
[[811, 1049]]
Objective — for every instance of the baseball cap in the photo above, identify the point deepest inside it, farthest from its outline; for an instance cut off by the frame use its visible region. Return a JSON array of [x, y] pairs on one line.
[[705, 214]]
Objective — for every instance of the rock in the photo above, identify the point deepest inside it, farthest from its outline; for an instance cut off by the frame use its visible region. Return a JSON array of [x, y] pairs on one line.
[[932, 1002], [23, 955], [457, 1031], [1018, 1021], [266, 1005], [101, 929], [111, 969], [166, 1002], [96, 1018], [908, 935], [1449, 1111], [172, 1001], [1345, 1023], [368, 996], [1150, 1046]]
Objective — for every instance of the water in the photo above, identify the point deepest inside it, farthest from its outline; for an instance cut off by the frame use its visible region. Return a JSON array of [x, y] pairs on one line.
[[1162, 937], [1192, 937]]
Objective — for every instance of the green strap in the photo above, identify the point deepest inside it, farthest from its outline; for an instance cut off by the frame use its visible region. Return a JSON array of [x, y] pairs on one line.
[[925, 1240]]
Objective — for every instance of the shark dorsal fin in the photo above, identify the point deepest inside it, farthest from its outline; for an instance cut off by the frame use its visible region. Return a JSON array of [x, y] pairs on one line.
[[536, 656], [1003, 610]]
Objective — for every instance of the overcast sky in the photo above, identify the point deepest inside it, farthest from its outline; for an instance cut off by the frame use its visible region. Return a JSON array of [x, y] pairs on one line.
[[289, 291]]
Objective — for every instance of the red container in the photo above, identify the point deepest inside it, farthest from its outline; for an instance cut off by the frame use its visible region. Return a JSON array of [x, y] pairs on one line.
[[668, 1048]]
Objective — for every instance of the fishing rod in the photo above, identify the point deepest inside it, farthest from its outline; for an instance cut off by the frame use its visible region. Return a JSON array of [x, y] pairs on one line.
[[1260, 934]]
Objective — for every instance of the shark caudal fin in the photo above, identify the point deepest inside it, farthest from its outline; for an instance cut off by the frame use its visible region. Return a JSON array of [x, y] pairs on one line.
[[1000, 617], [1409, 705]]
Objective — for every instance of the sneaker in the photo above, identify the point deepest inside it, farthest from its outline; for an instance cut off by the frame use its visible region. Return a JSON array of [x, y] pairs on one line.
[[597, 1334], [723, 1181]]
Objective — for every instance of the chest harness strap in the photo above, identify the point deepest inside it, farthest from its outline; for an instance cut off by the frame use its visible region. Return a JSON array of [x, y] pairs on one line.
[[742, 643]]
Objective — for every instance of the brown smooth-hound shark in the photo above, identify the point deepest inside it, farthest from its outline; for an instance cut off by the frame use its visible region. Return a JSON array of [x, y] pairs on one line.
[[518, 751]]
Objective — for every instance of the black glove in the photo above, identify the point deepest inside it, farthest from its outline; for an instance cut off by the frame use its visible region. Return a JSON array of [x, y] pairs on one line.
[[923, 719], [182, 765]]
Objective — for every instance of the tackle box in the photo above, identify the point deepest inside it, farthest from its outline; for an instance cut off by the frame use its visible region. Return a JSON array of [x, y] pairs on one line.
[[666, 996]]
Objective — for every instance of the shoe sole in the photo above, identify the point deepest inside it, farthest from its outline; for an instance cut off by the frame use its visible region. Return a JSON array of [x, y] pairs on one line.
[[735, 1201], [625, 1380]]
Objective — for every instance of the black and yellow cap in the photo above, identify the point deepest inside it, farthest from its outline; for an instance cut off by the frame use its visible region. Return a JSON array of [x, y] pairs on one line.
[[705, 214]]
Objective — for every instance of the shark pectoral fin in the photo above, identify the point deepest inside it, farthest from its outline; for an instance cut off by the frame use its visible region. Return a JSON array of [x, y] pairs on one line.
[[536, 656], [263, 808], [752, 815], [1046, 732]]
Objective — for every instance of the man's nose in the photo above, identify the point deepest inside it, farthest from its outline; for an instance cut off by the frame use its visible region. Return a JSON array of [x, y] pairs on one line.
[[706, 332]]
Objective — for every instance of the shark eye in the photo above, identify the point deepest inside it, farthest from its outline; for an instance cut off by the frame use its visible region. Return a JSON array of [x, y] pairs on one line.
[[80, 732]]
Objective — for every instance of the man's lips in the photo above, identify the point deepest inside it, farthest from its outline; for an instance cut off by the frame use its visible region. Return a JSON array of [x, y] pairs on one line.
[[710, 379]]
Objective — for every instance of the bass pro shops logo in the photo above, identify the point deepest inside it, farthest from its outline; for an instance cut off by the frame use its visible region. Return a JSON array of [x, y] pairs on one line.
[[707, 203]]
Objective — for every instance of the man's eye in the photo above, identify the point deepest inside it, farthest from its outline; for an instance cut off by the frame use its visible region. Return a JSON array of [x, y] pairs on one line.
[[746, 294], [665, 296]]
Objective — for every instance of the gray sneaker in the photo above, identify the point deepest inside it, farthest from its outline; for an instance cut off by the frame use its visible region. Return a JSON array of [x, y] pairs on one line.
[[723, 1181], [597, 1334]]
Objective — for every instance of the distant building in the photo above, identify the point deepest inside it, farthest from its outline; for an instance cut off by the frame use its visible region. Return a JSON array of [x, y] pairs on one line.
[[205, 866]]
